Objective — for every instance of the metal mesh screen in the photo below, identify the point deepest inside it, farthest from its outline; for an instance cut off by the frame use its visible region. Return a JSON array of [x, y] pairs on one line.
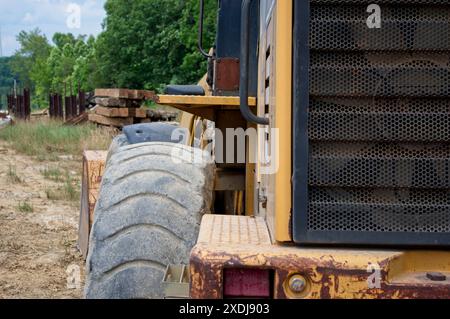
[[379, 117]]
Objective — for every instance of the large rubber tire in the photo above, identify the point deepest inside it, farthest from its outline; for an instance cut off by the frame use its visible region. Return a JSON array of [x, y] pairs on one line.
[[147, 216]]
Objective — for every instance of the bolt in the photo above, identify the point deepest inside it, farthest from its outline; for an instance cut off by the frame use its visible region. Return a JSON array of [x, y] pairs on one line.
[[436, 276], [297, 283]]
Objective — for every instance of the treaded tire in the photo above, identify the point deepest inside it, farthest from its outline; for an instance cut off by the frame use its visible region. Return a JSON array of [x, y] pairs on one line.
[[147, 216], [118, 142]]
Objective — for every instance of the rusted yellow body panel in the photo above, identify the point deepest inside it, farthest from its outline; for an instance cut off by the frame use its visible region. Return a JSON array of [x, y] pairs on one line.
[[204, 107], [330, 273], [275, 100], [190, 101], [283, 120]]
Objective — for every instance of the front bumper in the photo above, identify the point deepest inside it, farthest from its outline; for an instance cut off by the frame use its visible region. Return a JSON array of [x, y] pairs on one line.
[[244, 242]]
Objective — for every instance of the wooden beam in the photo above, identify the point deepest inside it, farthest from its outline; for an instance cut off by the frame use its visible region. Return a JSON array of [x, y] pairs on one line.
[[125, 94], [93, 168], [109, 121], [121, 112]]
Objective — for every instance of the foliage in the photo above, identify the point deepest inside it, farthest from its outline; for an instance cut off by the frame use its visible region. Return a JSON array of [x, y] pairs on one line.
[[25, 207], [6, 80], [145, 44], [12, 175], [29, 64], [149, 43]]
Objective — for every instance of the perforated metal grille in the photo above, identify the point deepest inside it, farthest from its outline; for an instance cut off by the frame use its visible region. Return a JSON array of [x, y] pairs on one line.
[[421, 120], [403, 28], [380, 210], [379, 117], [362, 74]]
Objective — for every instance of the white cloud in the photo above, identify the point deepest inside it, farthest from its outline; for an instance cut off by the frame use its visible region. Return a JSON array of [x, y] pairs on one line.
[[48, 15], [28, 18]]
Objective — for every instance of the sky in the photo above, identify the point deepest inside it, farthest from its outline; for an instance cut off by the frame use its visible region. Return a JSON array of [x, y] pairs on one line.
[[50, 16]]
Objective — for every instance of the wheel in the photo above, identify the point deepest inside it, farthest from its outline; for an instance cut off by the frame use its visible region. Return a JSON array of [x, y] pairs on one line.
[[118, 142], [143, 133], [147, 216]]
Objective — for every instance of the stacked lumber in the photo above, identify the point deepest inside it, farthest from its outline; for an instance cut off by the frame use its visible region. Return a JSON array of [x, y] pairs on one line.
[[161, 116], [78, 120], [119, 107]]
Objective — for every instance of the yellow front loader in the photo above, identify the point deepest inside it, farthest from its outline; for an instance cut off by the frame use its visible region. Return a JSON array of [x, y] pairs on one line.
[[315, 162]]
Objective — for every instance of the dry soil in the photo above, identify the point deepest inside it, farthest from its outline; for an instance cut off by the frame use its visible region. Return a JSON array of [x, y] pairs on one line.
[[37, 247]]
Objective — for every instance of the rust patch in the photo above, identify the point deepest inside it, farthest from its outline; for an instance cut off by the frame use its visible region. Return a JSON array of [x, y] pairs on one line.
[[227, 74], [330, 277]]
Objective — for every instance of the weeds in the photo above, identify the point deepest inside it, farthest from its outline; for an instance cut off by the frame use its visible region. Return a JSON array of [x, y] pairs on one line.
[[68, 191], [48, 139], [12, 175], [53, 174], [25, 207]]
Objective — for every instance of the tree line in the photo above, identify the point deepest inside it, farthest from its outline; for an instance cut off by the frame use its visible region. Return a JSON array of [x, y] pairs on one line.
[[145, 44]]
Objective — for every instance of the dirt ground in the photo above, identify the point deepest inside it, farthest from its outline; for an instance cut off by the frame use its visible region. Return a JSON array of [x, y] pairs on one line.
[[37, 247]]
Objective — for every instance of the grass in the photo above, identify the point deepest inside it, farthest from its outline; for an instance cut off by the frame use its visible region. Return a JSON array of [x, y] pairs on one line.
[[53, 174], [25, 207], [47, 140], [68, 191], [13, 178]]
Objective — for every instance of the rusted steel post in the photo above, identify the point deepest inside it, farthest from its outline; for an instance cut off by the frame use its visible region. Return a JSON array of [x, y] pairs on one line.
[[68, 107], [27, 103], [51, 106], [60, 107], [81, 101], [74, 105], [19, 107]]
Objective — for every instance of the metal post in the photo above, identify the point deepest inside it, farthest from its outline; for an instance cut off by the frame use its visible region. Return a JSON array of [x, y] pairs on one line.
[[27, 104], [60, 107]]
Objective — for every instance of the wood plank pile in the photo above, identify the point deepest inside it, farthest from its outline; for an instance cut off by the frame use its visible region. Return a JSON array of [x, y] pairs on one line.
[[121, 107]]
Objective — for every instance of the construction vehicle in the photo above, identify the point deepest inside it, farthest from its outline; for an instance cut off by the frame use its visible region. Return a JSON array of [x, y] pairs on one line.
[[350, 194]]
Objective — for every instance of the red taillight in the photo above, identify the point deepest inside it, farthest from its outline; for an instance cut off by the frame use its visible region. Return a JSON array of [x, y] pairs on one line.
[[247, 283]]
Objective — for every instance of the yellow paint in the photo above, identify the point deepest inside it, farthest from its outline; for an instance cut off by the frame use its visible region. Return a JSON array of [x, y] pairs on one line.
[[283, 81], [413, 262], [201, 101], [236, 241]]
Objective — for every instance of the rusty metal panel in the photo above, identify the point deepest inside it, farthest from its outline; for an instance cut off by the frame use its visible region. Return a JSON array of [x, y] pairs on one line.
[[328, 273], [227, 73]]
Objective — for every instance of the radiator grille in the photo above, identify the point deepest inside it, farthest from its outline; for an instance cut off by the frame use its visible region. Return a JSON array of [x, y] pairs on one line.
[[379, 119]]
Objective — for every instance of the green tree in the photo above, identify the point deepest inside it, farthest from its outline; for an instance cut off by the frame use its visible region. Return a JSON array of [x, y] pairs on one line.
[[149, 43], [145, 44], [72, 63], [29, 63], [6, 80]]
